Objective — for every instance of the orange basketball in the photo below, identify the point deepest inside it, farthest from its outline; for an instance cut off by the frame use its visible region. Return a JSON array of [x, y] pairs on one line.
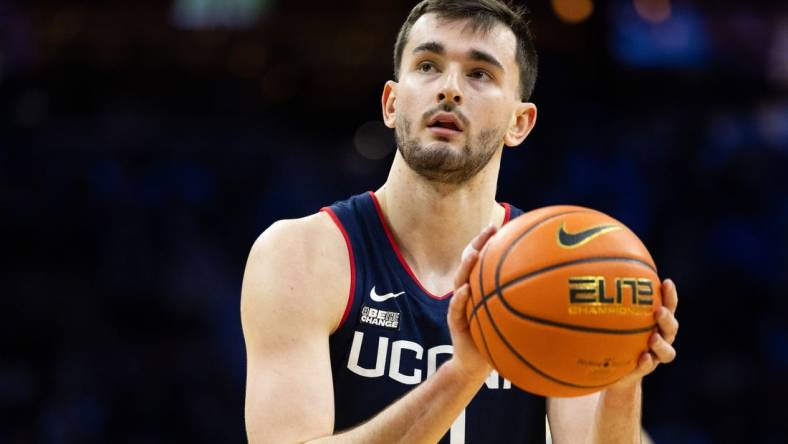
[[563, 300]]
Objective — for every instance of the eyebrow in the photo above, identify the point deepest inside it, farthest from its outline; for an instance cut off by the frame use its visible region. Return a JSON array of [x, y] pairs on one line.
[[435, 47], [481, 56], [473, 54]]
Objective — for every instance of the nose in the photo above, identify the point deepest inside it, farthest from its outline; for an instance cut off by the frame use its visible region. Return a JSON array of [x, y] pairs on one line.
[[450, 90]]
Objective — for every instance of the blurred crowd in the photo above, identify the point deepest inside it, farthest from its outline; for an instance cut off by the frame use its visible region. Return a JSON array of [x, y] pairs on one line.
[[145, 145]]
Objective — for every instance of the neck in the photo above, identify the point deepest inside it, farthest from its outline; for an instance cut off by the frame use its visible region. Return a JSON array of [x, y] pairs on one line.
[[432, 223]]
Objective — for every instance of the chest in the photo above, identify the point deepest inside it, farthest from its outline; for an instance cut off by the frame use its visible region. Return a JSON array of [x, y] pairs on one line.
[[393, 341], [394, 335]]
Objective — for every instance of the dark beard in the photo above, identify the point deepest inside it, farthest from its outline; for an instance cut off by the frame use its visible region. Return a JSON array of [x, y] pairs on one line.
[[443, 164]]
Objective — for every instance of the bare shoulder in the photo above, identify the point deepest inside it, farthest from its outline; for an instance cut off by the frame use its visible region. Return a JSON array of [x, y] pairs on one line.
[[298, 268]]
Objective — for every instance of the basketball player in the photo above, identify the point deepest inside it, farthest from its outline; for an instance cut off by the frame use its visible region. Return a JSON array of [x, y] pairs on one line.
[[354, 317]]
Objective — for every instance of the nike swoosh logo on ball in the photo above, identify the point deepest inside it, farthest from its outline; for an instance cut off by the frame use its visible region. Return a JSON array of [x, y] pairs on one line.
[[574, 240], [382, 297]]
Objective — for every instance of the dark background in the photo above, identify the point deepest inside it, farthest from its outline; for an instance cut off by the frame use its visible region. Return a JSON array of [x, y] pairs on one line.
[[144, 145]]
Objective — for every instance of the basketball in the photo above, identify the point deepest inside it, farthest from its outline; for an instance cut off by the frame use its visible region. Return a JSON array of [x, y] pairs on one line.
[[563, 300]]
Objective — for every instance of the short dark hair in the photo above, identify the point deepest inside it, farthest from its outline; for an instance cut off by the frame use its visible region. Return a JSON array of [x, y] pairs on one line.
[[483, 15]]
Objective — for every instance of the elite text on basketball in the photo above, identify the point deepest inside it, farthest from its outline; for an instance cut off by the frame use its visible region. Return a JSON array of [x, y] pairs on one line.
[[587, 295]]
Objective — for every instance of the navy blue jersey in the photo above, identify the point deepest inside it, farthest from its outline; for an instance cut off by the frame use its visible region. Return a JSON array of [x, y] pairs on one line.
[[393, 335]]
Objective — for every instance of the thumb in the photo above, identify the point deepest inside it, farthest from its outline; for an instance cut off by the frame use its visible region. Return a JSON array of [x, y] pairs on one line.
[[456, 317]]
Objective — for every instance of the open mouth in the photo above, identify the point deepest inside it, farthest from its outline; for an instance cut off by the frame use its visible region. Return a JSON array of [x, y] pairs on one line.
[[445, 124], [448, 125]]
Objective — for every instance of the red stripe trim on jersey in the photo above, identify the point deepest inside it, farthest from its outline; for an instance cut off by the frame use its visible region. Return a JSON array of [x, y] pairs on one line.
[[399, 253], [352, 293], [508, 216]]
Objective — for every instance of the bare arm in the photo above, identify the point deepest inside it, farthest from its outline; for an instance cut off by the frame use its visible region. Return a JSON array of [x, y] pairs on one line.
[[287, 316], [571, 418], [289, 386], [609, 416]]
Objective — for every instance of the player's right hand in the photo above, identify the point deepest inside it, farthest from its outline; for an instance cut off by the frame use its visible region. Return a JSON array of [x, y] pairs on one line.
[[467, 359]]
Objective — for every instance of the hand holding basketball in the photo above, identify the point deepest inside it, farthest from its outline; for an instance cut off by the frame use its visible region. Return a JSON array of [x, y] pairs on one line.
[[661, 349], [470, 361]]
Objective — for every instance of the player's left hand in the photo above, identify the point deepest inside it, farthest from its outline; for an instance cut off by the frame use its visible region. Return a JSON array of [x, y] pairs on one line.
[[661, 349]]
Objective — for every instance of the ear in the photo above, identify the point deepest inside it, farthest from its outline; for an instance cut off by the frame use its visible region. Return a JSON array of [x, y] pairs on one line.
[[389, 103], [522, 124]]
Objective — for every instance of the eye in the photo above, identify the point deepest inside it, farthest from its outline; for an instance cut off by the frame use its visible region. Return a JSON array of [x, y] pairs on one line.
[[426, 67], [480, 74]]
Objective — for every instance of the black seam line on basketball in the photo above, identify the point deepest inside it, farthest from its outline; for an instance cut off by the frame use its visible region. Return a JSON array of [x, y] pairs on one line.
[[567, 264], [478, 320], [499, 292], [526, 362], [499, 265], [522, 235], [508, 250]]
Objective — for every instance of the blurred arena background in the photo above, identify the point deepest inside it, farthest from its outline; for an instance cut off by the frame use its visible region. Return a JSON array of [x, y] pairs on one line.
[[144, 145]]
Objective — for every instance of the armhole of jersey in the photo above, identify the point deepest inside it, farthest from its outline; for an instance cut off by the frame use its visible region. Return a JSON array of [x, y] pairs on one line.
[[352, 258], [508, 215]]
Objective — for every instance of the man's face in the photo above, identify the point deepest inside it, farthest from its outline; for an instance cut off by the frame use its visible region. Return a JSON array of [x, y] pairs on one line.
[[456, 97]]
